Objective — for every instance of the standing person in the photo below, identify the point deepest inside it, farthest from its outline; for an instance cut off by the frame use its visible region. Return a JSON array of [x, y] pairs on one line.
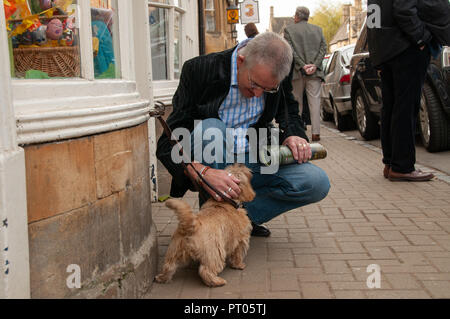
[[251, 30], [309, 47], [244, 88], [400, 49]]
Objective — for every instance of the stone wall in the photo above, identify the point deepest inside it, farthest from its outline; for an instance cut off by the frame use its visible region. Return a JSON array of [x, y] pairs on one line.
[[89, 205]]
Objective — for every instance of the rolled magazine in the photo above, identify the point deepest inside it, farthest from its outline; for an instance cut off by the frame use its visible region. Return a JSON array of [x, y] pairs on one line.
[[284, 154]]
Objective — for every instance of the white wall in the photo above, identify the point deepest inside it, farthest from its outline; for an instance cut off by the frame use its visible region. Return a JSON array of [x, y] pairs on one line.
[[14, 254]]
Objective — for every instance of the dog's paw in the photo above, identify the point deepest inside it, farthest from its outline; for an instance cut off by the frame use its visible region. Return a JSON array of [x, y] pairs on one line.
[[162, 279], [216, 282], [240, 266]]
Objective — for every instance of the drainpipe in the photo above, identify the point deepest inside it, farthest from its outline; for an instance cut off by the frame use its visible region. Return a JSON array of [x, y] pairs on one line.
[[201, 28]]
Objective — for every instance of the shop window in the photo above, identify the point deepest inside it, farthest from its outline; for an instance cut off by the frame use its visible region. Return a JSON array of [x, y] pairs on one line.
[[177, 43], [166, 37], [43, 38], [105, 32], [159, 42], [210, 16]]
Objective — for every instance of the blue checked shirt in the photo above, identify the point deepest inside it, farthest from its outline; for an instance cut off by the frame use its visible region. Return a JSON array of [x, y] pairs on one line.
[[239, 112]]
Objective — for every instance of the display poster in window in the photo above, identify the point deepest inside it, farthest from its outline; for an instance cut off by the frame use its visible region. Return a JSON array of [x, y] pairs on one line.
[[249, 11]]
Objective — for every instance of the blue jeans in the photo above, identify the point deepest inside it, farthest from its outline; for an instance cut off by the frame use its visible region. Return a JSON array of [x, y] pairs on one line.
[[292, 186]]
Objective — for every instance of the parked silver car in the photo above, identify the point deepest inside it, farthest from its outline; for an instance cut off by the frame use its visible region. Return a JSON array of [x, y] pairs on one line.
[[336, 90]]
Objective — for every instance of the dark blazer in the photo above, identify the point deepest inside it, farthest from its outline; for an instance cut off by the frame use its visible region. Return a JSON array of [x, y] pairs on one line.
[[204, 84], [309, 45], [406, 23]]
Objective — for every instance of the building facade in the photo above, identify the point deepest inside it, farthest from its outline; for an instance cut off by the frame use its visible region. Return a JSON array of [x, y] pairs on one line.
[[77, 145], [219, 34], [352, 21]]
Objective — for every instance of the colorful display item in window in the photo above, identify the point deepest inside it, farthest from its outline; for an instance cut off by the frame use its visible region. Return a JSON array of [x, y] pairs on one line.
[[45, 4], [55, 29], [40, 35]]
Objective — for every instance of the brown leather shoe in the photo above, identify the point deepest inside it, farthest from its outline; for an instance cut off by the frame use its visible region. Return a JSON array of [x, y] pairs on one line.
[[414, 176], [386, 171], [316, 137]]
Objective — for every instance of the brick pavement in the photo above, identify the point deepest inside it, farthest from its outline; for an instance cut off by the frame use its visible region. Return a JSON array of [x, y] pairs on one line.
[[323, 250]]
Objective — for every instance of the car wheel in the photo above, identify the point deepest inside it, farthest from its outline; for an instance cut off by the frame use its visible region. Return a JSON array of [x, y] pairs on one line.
[[366, 122], [433, 124], [324, 115], [342, 122]]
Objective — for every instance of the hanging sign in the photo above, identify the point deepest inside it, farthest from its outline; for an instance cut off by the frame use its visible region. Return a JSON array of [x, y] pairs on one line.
[[249, 11], [233, 15]]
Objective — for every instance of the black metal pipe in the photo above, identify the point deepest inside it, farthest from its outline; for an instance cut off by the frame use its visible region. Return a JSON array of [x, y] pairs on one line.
[[201, 28]]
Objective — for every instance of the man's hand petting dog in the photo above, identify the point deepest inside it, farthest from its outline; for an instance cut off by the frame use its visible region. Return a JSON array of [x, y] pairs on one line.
[[224, 182], [301, 149]]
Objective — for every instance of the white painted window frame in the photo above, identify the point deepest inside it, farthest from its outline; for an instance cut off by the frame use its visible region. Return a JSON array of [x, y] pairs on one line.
[[164, 89]]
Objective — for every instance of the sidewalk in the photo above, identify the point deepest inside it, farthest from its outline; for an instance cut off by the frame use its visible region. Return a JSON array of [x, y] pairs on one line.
[[323, 250]]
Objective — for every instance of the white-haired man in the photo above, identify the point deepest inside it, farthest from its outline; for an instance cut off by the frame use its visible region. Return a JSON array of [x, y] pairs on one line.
[[243, 88], [309, 49]]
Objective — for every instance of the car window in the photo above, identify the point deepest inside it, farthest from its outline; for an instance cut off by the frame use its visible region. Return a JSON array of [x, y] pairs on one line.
[[332, 63], [325, 62], [361, 44], [346, 55]]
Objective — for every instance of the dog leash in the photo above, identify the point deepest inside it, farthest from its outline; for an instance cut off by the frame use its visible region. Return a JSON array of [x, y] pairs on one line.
[[158, 112]]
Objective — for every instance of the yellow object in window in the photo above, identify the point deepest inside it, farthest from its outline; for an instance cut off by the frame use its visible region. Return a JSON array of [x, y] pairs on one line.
[[95, 45]]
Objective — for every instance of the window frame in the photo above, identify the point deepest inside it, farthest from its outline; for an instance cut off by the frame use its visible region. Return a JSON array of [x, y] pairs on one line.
[[171, 35]]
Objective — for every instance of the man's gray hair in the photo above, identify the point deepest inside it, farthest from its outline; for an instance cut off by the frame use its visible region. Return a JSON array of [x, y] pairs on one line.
[[269, 49], [302, 13]]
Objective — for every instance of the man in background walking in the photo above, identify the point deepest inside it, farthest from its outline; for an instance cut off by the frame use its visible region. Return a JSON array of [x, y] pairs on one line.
[[309, 49]]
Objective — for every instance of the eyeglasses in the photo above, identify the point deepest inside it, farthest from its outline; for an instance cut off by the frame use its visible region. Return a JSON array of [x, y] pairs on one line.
[[255, 85]]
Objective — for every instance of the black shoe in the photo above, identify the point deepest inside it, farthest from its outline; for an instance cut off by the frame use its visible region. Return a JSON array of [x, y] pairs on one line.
[[260, 231]]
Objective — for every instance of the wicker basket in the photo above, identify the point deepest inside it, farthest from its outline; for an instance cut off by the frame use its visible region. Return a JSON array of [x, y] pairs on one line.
[[55, 61]]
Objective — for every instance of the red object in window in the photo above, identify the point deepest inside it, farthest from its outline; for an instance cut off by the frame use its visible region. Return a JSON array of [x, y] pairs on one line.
[[10, 8], [346, 79]]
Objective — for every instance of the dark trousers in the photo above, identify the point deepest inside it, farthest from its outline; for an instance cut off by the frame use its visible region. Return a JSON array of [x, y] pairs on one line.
[[402, 79]]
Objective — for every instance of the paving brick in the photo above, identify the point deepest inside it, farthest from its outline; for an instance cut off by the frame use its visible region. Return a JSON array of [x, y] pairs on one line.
[[344, 256], [324, 277], [391, 235], [352, 247], [433, 276], [438, 289], [403, 281], [341, 227], [316, 291], [343, 294], [397, 294], [365, 231], [280, 254], [381, 253], [280, 282], [306, 260], [420, 240], [325, 242], [335, 267], [352, 213], [349, 285], [442, 264], [272, 295]]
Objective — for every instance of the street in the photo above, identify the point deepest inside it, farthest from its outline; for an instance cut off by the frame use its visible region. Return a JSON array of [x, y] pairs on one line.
[[369, 238]]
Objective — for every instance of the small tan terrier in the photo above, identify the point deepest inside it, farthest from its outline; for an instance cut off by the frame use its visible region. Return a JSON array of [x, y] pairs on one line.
[[217, 232]]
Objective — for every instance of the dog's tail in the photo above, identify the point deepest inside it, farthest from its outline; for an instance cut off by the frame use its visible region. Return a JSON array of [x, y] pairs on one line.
[[187, 219]]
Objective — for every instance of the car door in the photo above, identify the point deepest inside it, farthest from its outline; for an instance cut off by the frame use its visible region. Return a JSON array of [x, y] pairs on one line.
[[330, 79], [366, 75]]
